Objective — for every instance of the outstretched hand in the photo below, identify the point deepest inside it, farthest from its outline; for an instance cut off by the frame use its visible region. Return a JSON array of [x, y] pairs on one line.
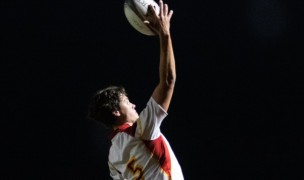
[[160, 24]]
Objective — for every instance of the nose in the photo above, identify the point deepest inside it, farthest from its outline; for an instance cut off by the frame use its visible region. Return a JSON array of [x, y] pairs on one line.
[[133, 106]]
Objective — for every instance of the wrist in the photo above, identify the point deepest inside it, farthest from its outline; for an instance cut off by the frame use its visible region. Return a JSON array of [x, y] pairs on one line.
[[164, 35]]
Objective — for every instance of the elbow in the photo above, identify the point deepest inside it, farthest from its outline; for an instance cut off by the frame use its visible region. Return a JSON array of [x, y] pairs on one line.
[[170, 81]]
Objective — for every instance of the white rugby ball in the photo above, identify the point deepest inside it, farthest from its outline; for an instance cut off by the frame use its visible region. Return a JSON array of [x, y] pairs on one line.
[[135, 12]]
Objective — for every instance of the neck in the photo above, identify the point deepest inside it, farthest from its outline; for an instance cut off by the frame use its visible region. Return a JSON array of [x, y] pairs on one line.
[[116, 126]]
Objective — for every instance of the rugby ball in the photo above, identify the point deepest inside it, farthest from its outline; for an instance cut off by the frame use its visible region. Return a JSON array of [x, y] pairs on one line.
[[135, 12]]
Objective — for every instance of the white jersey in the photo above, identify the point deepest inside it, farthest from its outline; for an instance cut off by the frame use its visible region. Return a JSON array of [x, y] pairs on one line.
[[141, 152]]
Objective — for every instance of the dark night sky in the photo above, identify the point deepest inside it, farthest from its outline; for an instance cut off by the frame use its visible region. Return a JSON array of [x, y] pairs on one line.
[[235, 113]]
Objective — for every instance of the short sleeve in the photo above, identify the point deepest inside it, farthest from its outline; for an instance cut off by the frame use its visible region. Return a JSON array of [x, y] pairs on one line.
[[150, 119]]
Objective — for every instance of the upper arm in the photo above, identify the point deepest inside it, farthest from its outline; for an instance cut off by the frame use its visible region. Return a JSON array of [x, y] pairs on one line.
[[162, 94]]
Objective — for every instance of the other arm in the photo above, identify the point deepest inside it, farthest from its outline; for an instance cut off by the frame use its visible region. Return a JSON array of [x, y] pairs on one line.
[[163, 92]]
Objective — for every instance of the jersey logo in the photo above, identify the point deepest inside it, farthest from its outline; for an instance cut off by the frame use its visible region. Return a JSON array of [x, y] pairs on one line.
[[137, 171]]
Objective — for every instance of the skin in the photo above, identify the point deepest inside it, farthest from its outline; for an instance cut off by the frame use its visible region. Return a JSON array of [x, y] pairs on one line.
[[127, 112], [163, 92]]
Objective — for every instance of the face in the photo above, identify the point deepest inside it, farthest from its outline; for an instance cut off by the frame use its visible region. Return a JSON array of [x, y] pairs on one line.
[[127, 112]]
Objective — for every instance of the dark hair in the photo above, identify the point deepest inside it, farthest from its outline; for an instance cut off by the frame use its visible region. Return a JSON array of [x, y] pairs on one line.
[[103, 103]]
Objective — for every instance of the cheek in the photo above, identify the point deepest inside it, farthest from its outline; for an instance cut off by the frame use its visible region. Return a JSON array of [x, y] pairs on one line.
[[131, 113], [124, 109]]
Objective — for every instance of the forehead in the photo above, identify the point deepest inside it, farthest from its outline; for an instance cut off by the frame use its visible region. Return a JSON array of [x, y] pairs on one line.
[[123, 97]]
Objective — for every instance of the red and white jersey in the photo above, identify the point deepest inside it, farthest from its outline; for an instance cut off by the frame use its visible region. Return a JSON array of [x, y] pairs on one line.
[[141, 152]]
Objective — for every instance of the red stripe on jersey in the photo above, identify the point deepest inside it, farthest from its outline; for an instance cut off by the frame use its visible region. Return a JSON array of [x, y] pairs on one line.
[[157, 147], [160, 151], [124, 128]]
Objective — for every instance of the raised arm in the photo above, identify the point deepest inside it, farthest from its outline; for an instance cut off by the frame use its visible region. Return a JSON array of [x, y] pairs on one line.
[[167, 73]]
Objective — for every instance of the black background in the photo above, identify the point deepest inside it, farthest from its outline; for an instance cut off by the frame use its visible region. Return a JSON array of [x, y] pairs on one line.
[[236, 111]]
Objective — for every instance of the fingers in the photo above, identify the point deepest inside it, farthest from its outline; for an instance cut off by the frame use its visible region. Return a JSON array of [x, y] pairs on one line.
[[170, 14], [150, 13], [152, 10], [161, 8], [164, 10], [158, 20]]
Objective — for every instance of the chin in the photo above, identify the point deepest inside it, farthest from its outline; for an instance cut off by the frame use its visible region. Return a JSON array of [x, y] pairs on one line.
[[135, 119]]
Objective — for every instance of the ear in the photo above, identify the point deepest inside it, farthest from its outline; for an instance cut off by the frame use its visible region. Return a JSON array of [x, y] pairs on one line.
[[116, 113]]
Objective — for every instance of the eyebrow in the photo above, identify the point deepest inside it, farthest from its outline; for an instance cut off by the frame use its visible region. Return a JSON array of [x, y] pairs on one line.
[[123, 98]]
